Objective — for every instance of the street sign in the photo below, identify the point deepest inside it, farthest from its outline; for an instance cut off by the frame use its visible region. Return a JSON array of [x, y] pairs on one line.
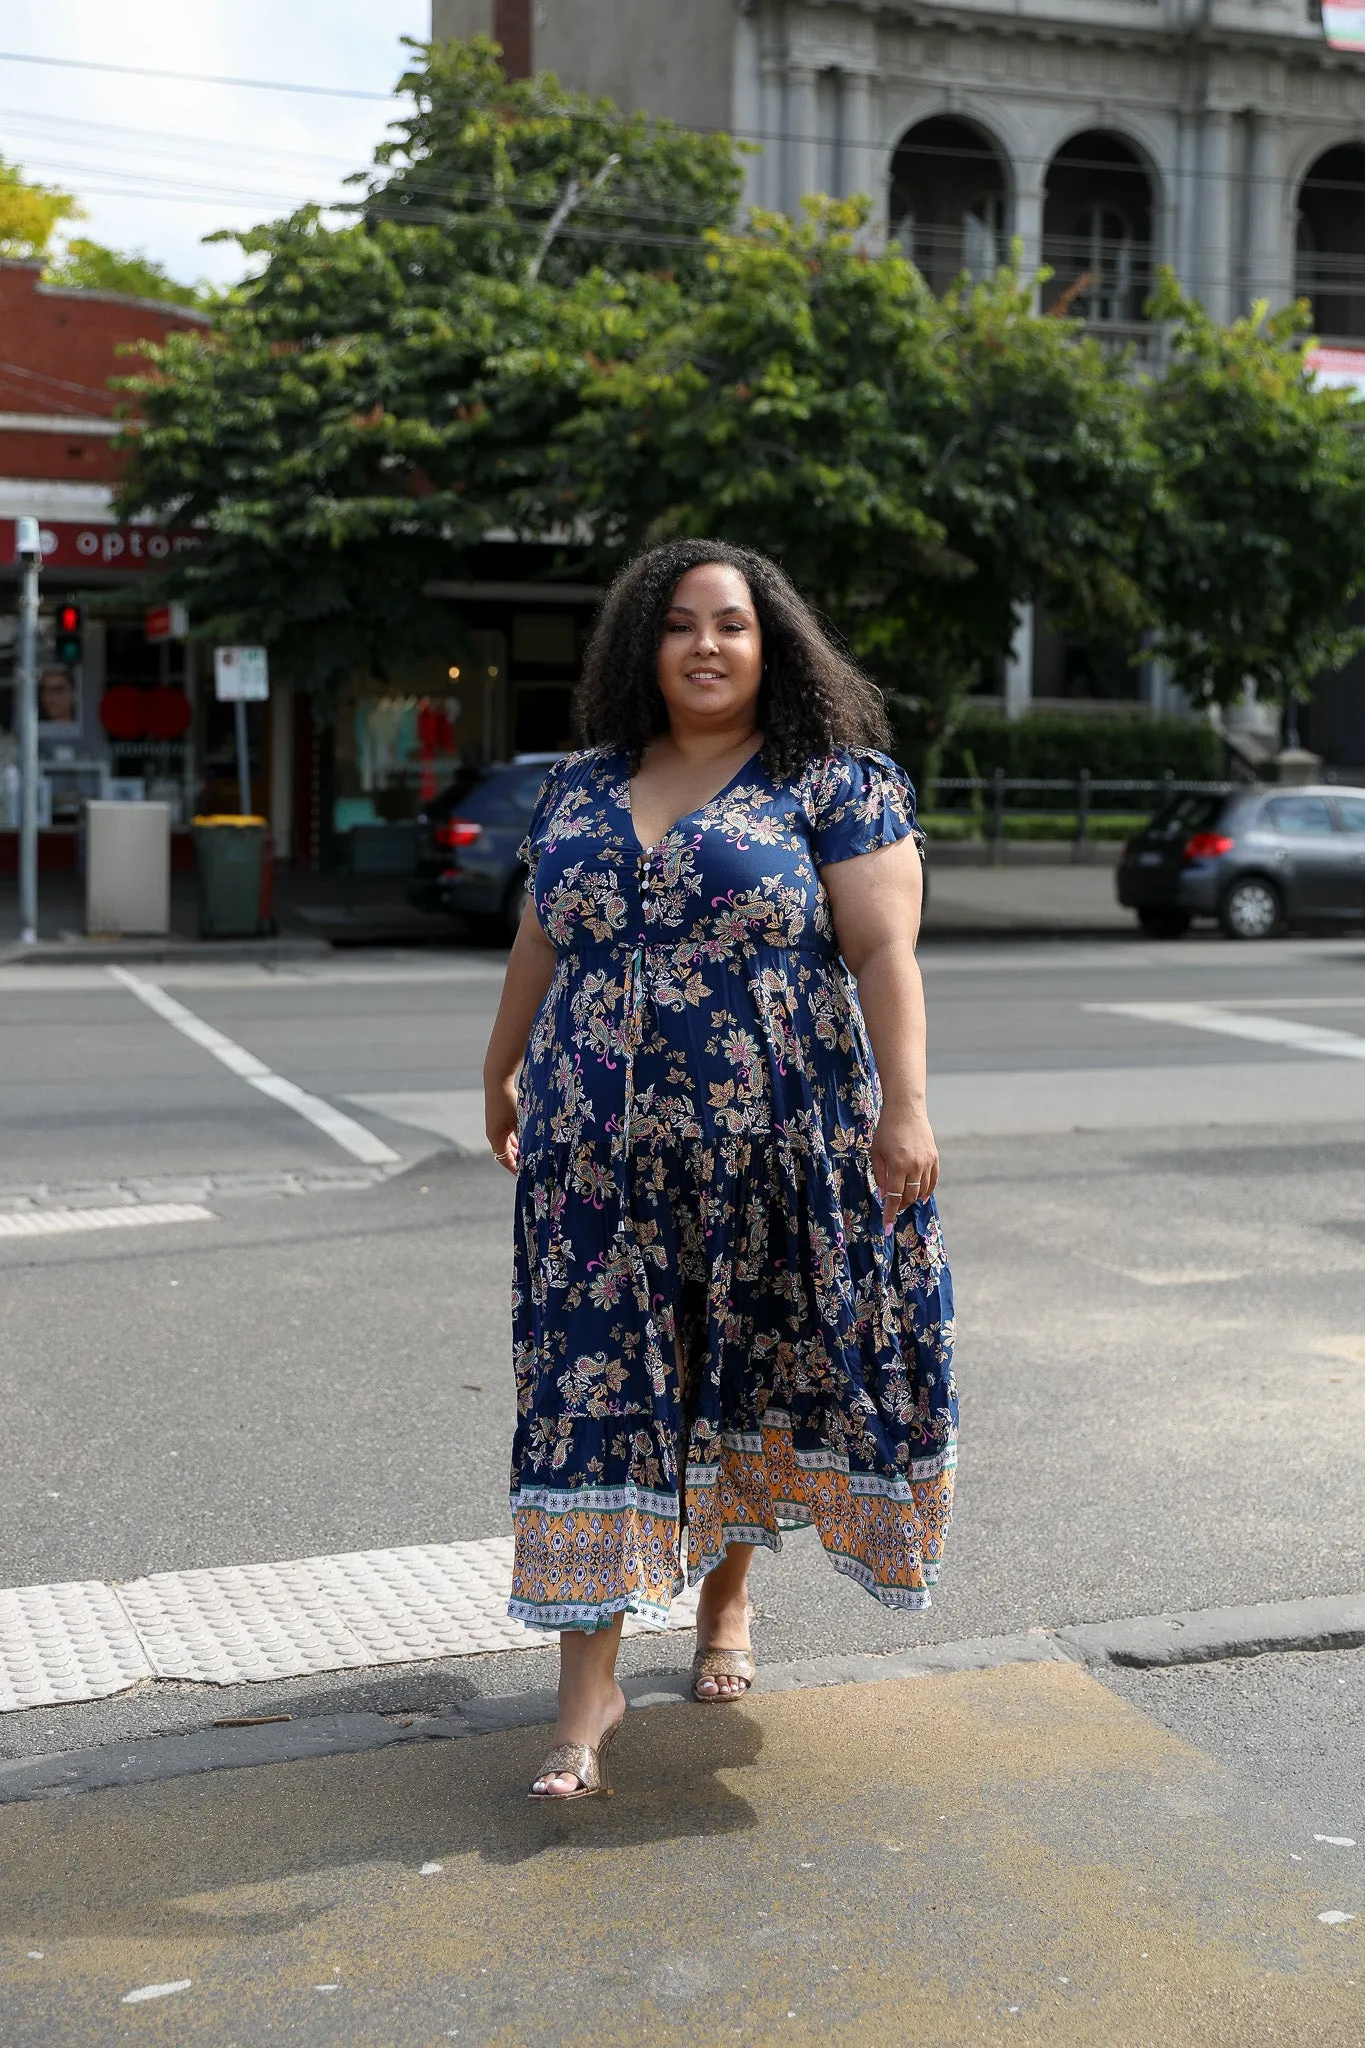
[[166, 622], [240, 675]]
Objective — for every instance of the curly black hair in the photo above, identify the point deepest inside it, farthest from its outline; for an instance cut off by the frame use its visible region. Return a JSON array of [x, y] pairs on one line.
[[813, 696]]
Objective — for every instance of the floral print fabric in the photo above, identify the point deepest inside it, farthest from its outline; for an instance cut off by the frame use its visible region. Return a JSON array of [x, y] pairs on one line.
[[712, 1330]]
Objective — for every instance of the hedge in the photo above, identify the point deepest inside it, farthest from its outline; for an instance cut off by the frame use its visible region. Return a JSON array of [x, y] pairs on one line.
[[1046, 744]]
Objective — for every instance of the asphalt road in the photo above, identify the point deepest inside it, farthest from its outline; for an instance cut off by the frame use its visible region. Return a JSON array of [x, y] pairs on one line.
[[1162, 1340]]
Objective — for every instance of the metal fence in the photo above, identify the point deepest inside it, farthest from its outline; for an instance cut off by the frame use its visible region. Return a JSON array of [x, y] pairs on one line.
[[1082, 788]]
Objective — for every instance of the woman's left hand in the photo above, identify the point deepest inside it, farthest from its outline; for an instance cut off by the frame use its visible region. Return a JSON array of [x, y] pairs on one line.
[[904, 1161]]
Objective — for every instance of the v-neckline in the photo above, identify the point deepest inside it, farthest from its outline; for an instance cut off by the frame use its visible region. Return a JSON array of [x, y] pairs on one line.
[[695, 812]]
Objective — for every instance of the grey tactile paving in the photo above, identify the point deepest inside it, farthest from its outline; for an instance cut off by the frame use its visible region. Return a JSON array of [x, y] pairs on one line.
[[65, 1643], [62, 1222], [241, 1623], [187, 1187]]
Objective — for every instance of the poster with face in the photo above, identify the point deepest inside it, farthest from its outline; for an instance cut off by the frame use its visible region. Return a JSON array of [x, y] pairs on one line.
[[59, 701]]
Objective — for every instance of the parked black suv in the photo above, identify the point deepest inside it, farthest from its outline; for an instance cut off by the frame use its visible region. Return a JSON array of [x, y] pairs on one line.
[[467, 840], [1256, 859]]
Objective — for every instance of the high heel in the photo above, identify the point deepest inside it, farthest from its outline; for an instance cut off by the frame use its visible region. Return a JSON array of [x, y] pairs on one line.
[[588, 1765], [722, 1664]]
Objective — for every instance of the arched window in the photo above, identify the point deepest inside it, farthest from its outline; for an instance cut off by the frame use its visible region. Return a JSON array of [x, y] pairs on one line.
[[1329, 266], [947, 202], [1097, 231]]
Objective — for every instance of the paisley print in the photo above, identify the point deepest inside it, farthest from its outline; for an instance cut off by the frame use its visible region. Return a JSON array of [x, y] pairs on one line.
[[714, 1338]]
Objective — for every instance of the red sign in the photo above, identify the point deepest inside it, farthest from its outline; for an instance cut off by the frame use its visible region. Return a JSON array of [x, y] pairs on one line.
[[69, 545], [166, 622]]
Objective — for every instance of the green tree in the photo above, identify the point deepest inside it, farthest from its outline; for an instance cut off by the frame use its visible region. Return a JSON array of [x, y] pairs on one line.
[[359, 419], [30, 214], [94, 268], [922, 467], [1258, 544], [31, 219]]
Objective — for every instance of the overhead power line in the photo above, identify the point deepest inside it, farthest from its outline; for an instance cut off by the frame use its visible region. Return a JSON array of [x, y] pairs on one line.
[[984, 154], [333, 92]]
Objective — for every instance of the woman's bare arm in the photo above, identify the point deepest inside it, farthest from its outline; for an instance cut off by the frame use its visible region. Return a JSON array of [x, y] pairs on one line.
[[530, 970], [875, 899]]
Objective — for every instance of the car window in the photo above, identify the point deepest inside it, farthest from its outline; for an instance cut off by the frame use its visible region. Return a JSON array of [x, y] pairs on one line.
[[1183, 815], [1298, 814], [527, 788], [1352, 809]]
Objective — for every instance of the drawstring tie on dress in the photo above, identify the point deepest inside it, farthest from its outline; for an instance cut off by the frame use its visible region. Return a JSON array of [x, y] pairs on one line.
[[635, 999]]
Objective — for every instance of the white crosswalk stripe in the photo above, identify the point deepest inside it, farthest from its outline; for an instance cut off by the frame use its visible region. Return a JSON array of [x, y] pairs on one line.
[[1295, 1034], [342, 1129]]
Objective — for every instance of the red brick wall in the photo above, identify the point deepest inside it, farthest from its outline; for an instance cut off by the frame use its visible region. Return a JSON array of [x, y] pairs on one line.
[[58, 350]]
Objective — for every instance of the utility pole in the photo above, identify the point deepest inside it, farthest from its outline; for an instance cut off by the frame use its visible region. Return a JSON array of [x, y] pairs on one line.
[[30, 552]]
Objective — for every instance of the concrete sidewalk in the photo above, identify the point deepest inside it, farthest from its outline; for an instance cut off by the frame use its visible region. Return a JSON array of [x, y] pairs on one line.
[[1019, 900], [1034, 900], [1003, 1855]]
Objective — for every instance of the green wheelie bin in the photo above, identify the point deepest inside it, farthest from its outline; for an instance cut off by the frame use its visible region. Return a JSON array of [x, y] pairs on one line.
[[233, 871]]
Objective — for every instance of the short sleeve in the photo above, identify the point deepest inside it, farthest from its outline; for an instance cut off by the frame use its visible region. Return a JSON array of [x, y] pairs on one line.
[[858, 801], [538, 831]]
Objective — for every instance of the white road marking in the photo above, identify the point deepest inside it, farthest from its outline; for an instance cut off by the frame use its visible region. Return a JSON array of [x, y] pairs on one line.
[[1286, 1031], [240, 1624], [455, 1114], [155, 1991], [1049, 1101], [61, 1222], [343, 1130]]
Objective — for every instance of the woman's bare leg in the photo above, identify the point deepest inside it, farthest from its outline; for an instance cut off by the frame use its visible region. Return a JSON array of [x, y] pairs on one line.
[[723, 1609], [590, 1700], [723, 1617]]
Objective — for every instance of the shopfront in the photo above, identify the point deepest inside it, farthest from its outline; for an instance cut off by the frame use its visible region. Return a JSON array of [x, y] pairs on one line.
[[116, 706], [134, 715]]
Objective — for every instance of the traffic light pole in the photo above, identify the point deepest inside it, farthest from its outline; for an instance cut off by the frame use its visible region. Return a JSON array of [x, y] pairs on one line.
[[30, 557]]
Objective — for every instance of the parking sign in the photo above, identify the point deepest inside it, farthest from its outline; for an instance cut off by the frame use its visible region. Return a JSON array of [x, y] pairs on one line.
[[240, 675]]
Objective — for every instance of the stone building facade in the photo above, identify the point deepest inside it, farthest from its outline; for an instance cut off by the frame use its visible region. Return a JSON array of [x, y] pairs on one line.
[[1221, 137]]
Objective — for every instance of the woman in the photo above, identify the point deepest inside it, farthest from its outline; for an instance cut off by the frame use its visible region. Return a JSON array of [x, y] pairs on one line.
[[731, 1310]]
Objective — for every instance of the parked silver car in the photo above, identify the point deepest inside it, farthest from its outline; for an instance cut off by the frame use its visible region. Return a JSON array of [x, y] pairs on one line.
[[1257, 859]]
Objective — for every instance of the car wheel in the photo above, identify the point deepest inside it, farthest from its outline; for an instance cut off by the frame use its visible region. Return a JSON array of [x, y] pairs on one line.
[[1251, 909], [1164, 921], [513, 904]]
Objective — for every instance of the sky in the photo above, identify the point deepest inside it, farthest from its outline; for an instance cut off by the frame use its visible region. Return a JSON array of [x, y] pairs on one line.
[[159, 163]]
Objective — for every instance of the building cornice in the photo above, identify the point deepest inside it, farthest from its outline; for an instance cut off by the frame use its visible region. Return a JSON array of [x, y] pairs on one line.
[[1160, 38]]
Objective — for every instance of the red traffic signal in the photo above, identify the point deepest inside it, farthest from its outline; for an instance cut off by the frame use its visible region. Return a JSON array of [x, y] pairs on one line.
[[68, 641]]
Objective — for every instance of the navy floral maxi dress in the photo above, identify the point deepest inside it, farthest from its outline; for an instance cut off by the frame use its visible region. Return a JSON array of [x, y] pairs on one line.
[[697, 1106]]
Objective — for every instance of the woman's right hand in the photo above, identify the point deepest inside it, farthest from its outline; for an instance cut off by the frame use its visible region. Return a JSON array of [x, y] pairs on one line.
[[500, 1121]]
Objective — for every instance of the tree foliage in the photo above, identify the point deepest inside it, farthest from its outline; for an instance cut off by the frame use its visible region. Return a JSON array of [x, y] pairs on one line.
[[490, 161], [32, 220], [30, 214], [921, 466], [349, 432], [545, 315], [1258, 544], [92, 267]]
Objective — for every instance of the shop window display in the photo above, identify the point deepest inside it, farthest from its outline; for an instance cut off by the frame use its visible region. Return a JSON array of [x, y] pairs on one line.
[[393, 753]]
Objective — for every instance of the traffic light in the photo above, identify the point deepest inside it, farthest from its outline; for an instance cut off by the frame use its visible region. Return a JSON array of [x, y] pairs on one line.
[[67, 646]]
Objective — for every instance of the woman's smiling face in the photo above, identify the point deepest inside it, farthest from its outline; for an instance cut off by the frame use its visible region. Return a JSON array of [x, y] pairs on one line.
[[710, 662]]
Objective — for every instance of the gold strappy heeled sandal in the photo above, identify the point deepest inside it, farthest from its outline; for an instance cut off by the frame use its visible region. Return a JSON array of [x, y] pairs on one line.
[[588, 1765], [722, 1664]]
